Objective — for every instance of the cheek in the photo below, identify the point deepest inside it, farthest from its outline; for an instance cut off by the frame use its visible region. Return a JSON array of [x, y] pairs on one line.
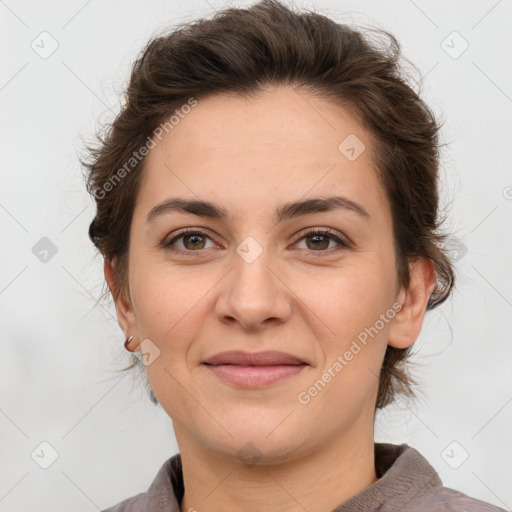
[[358, 313], [166, 308], [345, 302], [164, 302]]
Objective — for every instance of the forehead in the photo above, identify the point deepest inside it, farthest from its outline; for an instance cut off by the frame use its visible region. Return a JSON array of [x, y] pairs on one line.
[[280, 144]]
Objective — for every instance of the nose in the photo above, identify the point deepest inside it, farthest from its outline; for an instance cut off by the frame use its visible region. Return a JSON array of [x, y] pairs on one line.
[[254, 296]]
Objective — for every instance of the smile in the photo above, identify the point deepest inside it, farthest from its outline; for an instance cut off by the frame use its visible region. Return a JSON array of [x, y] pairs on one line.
[[254, 377]]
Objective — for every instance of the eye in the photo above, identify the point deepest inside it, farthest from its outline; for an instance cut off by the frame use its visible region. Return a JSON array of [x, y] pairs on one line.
[[321, 238], [192, 240]]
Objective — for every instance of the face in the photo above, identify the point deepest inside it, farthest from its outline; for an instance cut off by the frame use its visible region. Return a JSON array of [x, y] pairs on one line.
[[316, 284]]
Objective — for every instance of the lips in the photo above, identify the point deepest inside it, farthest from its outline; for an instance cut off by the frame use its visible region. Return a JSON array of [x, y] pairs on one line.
[[254, 370], [267, 358]]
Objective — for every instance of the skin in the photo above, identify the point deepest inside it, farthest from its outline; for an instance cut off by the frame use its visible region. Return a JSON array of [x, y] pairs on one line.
[[251, 156]]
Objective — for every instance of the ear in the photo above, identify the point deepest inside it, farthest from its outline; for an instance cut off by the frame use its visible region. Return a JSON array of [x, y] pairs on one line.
[[124, 309], [406, 326]]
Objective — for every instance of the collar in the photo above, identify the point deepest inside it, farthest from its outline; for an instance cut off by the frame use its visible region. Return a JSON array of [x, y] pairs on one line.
[[401, 470]]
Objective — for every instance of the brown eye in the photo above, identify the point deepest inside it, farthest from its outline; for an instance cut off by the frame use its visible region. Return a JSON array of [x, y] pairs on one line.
[[187, 241], [318, 240], [193, 241]]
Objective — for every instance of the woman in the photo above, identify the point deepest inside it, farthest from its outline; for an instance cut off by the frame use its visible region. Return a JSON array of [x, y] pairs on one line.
[[267, 211]]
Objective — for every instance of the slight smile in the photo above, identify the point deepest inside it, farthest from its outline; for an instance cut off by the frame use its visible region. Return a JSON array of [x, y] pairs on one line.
[[254, 370]]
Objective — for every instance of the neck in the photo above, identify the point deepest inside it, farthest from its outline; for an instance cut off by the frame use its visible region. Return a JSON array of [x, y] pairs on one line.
[[320, 481]]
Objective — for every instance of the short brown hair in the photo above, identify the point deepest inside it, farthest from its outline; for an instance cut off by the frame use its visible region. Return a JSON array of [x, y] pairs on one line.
[[243, 50]]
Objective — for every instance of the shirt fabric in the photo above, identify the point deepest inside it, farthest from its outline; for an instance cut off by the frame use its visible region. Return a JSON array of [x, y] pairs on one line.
[[406, 483]]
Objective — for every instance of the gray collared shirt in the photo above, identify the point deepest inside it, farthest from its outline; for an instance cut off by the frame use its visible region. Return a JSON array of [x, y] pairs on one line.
[[406, 483]]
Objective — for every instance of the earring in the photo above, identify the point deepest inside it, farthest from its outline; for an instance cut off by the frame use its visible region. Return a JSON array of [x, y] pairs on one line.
[[127, 342]]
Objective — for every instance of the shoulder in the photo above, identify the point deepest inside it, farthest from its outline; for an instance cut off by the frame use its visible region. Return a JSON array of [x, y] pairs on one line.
[[165, 491], [410, 484], [133, 504], [445, 499]]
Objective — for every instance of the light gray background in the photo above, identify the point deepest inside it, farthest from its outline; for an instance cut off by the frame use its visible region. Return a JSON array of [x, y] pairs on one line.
[[60, 352]]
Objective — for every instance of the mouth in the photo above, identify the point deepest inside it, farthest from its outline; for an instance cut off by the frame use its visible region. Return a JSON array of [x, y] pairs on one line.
[[254, 370]]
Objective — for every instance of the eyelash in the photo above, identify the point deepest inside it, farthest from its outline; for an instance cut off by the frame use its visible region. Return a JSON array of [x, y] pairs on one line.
[[343, 242]]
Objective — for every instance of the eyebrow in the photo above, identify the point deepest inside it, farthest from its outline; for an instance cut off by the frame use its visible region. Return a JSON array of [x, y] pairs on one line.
[[287, 211]]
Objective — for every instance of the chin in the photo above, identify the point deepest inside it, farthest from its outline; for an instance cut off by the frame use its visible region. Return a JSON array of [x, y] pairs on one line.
[[261, 443]]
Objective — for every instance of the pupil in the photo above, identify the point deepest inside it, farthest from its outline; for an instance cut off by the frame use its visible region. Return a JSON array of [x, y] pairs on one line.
[[194, 239], [318, 238]]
